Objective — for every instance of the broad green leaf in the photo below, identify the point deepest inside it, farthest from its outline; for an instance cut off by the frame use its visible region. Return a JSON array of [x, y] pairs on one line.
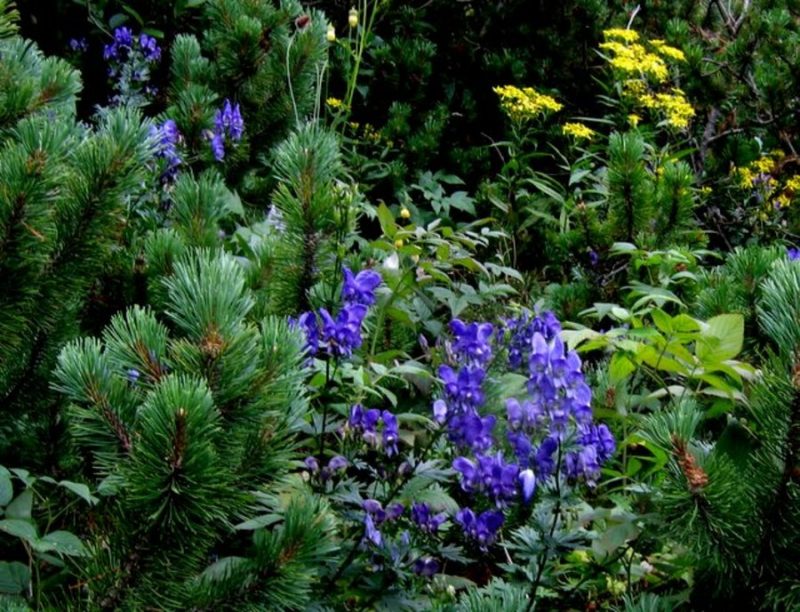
[[14, 577], [386, 219], [721, 338], [81, 490], [62, 542], [619, 368], [20, 506], [6, 486], [19, 528], [662, 320]]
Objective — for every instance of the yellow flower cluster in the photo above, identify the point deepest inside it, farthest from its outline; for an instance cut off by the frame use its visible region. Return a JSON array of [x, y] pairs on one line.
[[674, 105], [525, 103], [666, 50], [762, 175], [636, 59], [579, 131], [335, 103], [623, 34]]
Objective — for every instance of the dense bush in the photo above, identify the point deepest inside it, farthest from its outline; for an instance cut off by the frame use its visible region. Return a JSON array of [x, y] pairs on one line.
[[450, 306]]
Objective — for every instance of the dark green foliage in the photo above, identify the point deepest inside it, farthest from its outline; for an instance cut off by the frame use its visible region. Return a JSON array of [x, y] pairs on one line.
[[62, 209], [183, 425], [630, 188]]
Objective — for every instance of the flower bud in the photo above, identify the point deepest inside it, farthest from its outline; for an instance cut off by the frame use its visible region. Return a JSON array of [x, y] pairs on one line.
[[405, 213], [398, 243], [352, 17], [331, 34]]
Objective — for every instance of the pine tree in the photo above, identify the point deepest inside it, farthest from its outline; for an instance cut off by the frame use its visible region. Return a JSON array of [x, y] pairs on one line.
[[734, 503], [62, 209], [187, 422]]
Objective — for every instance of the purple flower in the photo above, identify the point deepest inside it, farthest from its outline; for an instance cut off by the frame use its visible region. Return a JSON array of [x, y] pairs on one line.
[[464, 389], [217, 142], [307, 322], [378, 428], [343, 334], [440, 411], [472, 341], [482, 528], [360, 288], [167, 137], [337, 463], [594, 258], [426, 566], [527, 481], [427, 521], [372, 533], [150, 48], [311, 463], [133, 375], [793, 253], [80, 45]]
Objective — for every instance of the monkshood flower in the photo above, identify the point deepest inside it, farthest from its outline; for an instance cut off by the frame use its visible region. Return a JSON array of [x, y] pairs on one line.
[[167, 137], [471, 344], [79, 45], [470, 430], [228, 125], [491, 475], [339, 337], [343, 334], [427, 521], [360, 288], [130, 60], [463, 390], [375, 515], [426, 567], [378, 428], [307, 322], [482, 528], [520, 334], [793, 253]]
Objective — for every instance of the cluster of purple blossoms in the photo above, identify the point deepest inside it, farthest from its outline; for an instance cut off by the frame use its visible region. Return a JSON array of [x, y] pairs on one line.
[[228, 124], [520, 335], [483, 528], [376, 515], [340, 336], [335, 464], [377, 428], [793, 253], [428, 522], [167, 137], [79, 45], [548, 431], [130, 60]]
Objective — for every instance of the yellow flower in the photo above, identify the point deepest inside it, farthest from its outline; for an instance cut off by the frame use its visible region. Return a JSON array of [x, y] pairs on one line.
[[634, 119], [666, 50], [793, 184], [622, 34], [578, 131], [674, 105], [352, 17], [398, 243], [331, 34], [616, 588], [782, 201], [405, 213], [525, 103], [635, 59], [705, 191], [334, 103]]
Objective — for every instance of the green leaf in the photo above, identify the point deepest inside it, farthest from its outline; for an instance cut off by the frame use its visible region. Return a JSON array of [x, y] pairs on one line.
[[20, 507], [81, 490], [6, 486], [20, 529], [662, 320], [619, 368], [721, 338], [14, 577], [386, 219], [62, 542], [258, 522]]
